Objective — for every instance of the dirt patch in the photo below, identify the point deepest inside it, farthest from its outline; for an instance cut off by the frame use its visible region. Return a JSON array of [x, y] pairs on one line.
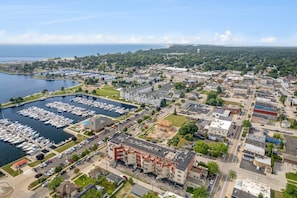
[[162, 135]]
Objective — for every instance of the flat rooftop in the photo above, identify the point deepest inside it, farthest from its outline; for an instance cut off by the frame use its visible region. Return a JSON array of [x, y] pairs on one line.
[[253, 187], [223, 124], [181, 157]]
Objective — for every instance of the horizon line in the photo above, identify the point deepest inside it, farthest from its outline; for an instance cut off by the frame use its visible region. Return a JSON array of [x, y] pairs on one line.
[[165, 44]]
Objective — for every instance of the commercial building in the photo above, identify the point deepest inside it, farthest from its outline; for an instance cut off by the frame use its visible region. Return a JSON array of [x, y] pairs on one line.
[[250, 187], [264, 163], [97, 123], [151, 158], [251, 151], [219, 128]]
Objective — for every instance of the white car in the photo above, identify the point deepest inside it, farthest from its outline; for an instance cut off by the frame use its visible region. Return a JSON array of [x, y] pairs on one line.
[[211, 182]]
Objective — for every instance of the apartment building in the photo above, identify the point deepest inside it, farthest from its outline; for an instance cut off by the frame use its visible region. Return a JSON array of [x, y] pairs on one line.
[[151, 158]]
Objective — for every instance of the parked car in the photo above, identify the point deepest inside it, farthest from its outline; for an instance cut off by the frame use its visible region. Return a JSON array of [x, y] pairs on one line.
[[38, 175]]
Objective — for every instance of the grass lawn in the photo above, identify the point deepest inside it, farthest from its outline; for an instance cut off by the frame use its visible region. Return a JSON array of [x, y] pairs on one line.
[[84, 180], [125, 192], [204, 92], [70, 144], [11, 171], [65, 147], [108, 91], [177, 120], [292, 182], [32, 164], [227, 102], [108, 186], [291, 176]]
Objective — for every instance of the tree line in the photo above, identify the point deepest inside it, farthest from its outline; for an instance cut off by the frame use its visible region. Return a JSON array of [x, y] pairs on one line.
[[281, 60]]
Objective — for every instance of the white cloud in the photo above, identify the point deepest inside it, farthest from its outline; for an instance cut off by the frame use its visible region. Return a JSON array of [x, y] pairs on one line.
[[268, 40], [225, 38]]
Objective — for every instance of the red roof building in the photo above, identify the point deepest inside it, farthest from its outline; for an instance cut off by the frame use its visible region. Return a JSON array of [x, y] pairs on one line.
[[20, 163]]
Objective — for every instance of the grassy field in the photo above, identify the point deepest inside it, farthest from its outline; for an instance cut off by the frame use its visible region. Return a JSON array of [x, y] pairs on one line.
[[109, 92], [177, 120], [204, 92], [227, 102], [291, 176], [70, 144], [32, 164], [65, 147], [84, 180], [11, 171]]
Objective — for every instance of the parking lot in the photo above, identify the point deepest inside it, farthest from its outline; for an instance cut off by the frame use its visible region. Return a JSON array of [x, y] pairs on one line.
[[248, 165], [47, 168]]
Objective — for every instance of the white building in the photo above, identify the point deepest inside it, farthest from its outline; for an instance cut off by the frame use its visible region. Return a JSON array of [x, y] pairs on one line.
[[252, 151], [219, 127], [253, 187]]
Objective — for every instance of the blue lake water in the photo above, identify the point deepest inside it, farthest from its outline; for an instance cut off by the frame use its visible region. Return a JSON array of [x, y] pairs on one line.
[[16, 53], [12, 86]]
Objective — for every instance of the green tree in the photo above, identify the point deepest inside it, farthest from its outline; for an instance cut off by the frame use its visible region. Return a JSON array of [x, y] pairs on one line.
[[189, 137], [246, 123], [62, 88], [94, 91], [217, 149], [93, 193], [260, 195], [180, 85], [163, 103], [173, 141], [232, 175], [219, 89], [189, 128], [76, 170], [290, 191], [174, 111], [75, 157], [200, 192], [283, 99], [79, 89], [130, 180], [182, 95], [213, 167], [55, 183], [295, 92], [58, 169], [201, 147], [139, 121]]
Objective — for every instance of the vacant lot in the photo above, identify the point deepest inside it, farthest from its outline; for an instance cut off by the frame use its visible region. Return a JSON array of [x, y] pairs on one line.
[[109, 92], [177, 120], [125, 192]]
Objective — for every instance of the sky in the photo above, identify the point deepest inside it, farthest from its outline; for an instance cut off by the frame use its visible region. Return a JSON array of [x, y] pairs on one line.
[[216, 22]]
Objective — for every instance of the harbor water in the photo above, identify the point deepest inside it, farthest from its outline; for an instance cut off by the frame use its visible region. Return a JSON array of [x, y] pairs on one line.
[[10, 152]]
